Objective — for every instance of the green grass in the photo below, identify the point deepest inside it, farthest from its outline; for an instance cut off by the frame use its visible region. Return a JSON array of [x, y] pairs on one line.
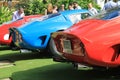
[[36, 66]]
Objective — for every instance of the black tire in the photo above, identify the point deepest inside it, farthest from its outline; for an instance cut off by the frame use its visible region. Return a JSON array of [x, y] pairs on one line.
[[13, 46], [52, 47], [55, 54]]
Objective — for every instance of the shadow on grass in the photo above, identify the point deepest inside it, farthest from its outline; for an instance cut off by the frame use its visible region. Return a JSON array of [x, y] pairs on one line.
[[62, 71], [4, 47], [16, 56], [59, 71]]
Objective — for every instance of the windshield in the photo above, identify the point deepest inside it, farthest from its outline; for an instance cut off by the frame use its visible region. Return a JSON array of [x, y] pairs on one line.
[[105, 15], [74, 18]]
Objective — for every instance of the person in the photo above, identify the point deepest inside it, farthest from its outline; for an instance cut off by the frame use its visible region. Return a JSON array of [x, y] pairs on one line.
[[110, 4], [49, 9], [9, 3], [118, 3], [18, 14], [62, 8], [76, 6], [70, 6], [92, 9], [55, 9]]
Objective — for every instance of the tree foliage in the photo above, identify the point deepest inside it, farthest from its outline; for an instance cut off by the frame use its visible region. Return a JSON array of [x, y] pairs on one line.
[[5, 14], [39, 6], [32, 7]]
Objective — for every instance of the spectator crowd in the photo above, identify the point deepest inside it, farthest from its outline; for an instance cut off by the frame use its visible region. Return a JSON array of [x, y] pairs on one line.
[[108, 5], [55, 9]]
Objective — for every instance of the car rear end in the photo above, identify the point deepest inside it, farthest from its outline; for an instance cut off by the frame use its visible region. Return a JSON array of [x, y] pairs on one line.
[[69, 46]]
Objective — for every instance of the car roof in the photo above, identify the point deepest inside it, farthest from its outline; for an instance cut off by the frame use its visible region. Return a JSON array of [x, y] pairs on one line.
[[67, 12]]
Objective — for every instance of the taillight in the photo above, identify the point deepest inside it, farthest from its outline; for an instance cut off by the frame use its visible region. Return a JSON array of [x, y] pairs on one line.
[[78, 47], [18, 36]]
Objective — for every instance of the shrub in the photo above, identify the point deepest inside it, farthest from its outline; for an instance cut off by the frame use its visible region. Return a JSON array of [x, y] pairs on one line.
[[32, 6], [39, 6], [5, 14]]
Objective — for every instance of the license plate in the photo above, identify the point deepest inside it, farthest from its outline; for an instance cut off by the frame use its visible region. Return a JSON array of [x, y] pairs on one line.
[[67, 46]]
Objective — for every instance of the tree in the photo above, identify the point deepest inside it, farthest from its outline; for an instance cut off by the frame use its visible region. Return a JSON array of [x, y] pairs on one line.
[[39, 6]]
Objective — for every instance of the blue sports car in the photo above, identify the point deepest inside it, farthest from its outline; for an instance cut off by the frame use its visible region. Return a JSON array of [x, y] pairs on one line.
[[35, 35]]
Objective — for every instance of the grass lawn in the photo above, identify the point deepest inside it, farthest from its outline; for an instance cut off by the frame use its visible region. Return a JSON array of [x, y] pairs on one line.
[[36, 66]]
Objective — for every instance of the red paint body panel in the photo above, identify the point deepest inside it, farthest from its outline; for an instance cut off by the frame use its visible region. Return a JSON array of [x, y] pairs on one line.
[[101, 39], [4, 28]]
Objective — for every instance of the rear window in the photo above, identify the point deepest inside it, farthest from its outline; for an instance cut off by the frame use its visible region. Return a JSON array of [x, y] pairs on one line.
[[105, 15]]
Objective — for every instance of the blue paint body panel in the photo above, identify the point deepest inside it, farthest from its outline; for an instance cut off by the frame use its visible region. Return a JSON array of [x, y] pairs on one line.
[[36, 34]]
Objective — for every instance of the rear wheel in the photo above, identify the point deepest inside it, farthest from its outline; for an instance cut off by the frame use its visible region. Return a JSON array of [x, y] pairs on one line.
[[55, 54], [13, 46], [52, 47]]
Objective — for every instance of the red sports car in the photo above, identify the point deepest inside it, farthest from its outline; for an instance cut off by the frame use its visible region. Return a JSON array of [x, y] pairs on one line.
[[91, 42], [4, 28]]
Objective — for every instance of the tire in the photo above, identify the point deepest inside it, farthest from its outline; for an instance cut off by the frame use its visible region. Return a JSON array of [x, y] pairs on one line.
[[53, 50], [13, 46]]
